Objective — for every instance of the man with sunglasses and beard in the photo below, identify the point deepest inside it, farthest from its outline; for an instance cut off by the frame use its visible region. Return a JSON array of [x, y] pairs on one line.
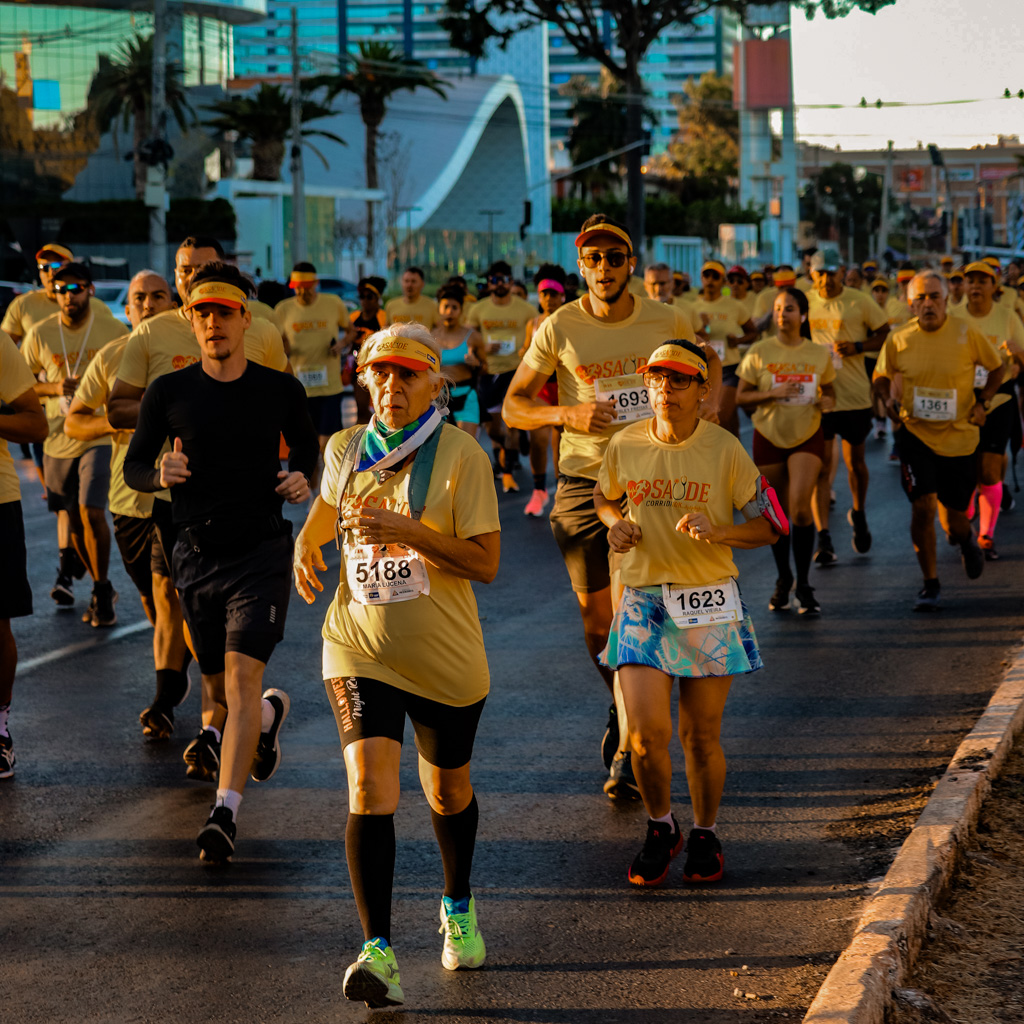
[[77, 473], [604, 336]]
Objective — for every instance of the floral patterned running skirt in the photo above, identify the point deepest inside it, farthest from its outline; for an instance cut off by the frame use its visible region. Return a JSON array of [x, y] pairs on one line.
[[643, 633]]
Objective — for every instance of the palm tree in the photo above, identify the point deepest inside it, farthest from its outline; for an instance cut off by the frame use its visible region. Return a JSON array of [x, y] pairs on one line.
[[265, 119], [373, 76], [121, 89]]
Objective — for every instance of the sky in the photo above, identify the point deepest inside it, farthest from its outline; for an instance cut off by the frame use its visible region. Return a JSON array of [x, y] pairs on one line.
[[916, 51]]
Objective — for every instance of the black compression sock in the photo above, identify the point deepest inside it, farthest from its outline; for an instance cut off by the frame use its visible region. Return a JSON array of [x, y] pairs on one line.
[[780, 552], [803, 550], [370, 852], [540, 481], [68, 561], [456, 836], [170, 687]]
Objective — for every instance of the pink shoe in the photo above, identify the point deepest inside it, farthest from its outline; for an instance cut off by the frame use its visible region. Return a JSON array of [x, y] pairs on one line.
[[537, 503]]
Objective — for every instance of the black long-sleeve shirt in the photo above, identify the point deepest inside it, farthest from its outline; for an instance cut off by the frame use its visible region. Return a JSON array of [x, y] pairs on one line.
[[230, 431]]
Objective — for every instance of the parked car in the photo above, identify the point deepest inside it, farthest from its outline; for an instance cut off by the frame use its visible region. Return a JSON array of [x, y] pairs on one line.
[[114, 294], [345, 290]]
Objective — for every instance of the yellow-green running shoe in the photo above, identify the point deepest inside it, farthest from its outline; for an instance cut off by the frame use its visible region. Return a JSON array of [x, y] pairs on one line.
[[463, 943], [374, 976]]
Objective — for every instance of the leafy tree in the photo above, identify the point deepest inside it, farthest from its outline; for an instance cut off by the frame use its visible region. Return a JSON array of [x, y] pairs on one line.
[[471, 24], [265, 119], [838, 201], [708, 143], [121, 91], [373, 75]]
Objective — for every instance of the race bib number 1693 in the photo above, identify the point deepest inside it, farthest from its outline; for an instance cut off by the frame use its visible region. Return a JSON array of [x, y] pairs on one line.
[[628, 394]]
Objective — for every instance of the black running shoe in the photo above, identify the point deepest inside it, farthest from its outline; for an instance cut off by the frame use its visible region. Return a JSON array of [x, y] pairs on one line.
[[663, 842], [216, 839], [62, 591], [610, 740], [806, 602], [157, 722], [861, 539], [973, 559], [104, 597], [988, 547], [928, 597], [621, 782], [779, 601], [202, 757], [704, 862], [825, 556], [268, 751], [7, 758]]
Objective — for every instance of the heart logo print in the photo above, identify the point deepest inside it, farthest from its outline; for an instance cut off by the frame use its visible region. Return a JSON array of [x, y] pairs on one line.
[[638, 490]]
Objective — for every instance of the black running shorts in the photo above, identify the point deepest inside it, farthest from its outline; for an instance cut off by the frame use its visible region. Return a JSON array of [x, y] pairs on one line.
[[325, 412], [165, 535], [234, 600], [581, 536], [15, 593], [995, 434], [83, 480], [852, 425], [952, 478], [134, 538], [364, 708]]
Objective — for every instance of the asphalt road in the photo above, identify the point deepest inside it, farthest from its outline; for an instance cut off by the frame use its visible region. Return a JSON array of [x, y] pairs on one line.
[[107, 915]]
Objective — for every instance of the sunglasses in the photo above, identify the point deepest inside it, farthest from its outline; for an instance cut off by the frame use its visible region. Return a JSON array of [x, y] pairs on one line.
[[614, 258], [70, 289], [56, 265], [714, 274], [676, 381], [497, 279]]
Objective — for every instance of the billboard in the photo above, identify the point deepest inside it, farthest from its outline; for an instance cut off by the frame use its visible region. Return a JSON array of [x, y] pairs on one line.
[[910, 179], [763, 78]]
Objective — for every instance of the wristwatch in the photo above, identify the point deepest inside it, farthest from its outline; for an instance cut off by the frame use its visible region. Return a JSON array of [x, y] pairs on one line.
[[859, 346]]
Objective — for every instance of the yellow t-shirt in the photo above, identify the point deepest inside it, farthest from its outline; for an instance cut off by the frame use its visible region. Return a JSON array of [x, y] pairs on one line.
[[898, 312], [93, 391], [27, 310], [579, 348], [764, 305], [263, 311], [709, 472], [786, 425], [942, 360], [311, 330], [805, 284], [422, 311], [725, 319], [15, 380], [850, 316], [1000, 326], [504, 326], [432, 645], [636, 286], [165, 343], [42, 351]]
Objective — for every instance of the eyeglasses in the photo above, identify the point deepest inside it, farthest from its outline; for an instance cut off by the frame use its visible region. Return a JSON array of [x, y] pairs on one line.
[[497, 279], [676, 381], [614, 258], [54, 265], [70, 289]]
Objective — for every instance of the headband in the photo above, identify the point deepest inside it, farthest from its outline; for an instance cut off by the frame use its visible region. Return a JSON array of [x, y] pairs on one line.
[[301, 277], [603, 229], [219, 292], [550, 285], [367, 287]]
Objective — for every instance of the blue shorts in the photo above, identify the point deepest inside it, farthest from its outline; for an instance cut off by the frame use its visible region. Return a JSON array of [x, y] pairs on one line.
[[643, 633], [464, 403]]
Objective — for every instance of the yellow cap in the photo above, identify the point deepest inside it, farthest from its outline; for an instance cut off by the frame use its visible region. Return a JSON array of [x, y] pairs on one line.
[[387, 348], [980, 267], [602, 229], [55, 250], [715, 265]]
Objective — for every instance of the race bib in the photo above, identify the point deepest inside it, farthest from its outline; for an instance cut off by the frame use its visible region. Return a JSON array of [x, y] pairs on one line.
[[65, 404], [703, 606], [808, 387], [380, 575], [629, 394], [312, 376], [506, 343], [718, 347], [935, 403], [980, 376]]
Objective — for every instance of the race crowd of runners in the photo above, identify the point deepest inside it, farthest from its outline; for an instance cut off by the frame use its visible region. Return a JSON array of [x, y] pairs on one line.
[[623, 391]]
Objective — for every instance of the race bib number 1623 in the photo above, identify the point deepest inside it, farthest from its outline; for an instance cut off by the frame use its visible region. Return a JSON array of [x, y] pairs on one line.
[[705, 605]]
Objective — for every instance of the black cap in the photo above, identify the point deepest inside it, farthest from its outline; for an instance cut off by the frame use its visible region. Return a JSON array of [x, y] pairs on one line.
[[79, 270]]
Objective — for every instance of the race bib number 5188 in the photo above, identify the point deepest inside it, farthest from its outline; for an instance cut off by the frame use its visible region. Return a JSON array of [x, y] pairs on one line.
[[381, 575]]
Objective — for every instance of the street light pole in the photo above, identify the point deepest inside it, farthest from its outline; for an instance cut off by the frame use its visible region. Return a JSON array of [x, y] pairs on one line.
[[490, 215], [156, 174], [298, 173]]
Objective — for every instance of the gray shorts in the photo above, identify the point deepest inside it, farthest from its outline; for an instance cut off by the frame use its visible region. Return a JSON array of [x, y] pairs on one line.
[[84, 480]]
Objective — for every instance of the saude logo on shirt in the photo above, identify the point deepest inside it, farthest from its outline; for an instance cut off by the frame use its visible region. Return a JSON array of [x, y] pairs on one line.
[[180, 362], [353, 502], [308, 325], [57, 358], [823, 324], [789, 367], [589, 372], [661, 491]]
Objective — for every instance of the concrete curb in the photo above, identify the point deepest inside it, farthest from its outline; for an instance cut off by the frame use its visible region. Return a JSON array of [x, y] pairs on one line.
[[890, 932]]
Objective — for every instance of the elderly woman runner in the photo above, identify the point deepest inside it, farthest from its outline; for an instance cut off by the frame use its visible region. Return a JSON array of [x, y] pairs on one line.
[[681, 614], [412, 500]]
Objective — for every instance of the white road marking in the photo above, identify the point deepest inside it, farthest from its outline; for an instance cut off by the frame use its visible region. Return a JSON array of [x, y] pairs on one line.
[[84, 645]]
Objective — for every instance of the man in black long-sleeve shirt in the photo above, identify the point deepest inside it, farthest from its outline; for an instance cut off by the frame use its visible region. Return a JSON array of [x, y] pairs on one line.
[[232, 561]]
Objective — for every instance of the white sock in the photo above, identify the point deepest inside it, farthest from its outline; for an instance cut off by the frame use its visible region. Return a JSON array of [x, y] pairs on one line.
[[706, 828], [268, 712], [216, 732], [230, 799], [5, 710], [667, 818]]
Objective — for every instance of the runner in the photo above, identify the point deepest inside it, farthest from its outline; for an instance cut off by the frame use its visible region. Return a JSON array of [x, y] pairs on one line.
[[658, 282], [23, 422], [849, 323], [739, 288], [805, 281], [938, 414], [30, 308], [728, 327], [764, 306], [758, 283], [501, 318], [682, 478], [957, 290], [310, 323], [604, 336], [681, 287], [367, 320], [77, 473], [224, 417], [1001, 326], [787, 381], [413, 495], [898, 313], [904, 276], [855, 280], [869, 271], [412, 306], [463, 356]]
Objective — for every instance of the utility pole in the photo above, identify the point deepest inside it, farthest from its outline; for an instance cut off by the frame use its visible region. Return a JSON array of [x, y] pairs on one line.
[[156, 174], [490, 215], [883, 226], [298, 174]]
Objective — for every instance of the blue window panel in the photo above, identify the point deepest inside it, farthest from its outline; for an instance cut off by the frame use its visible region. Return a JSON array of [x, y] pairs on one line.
[[46, 94], [559, 79]]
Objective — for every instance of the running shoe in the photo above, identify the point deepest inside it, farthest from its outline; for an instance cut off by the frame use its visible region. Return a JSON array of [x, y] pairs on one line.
[[861, 539], [806, 602], [157, 722], [463, 943], [104, 597], [268, 750], [988, 547], [216, 839], [202, 757], [779, 601], [62, 591], [1008, 502], [76, 567], [508, 483], [374, 976], [663, 842], [825, 556], [894, 455], [704, 862], [621, 782], [972, 557], [536, 505], [89, 609], [7, 758], [880, 432], [928, 597], [610, 739]]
